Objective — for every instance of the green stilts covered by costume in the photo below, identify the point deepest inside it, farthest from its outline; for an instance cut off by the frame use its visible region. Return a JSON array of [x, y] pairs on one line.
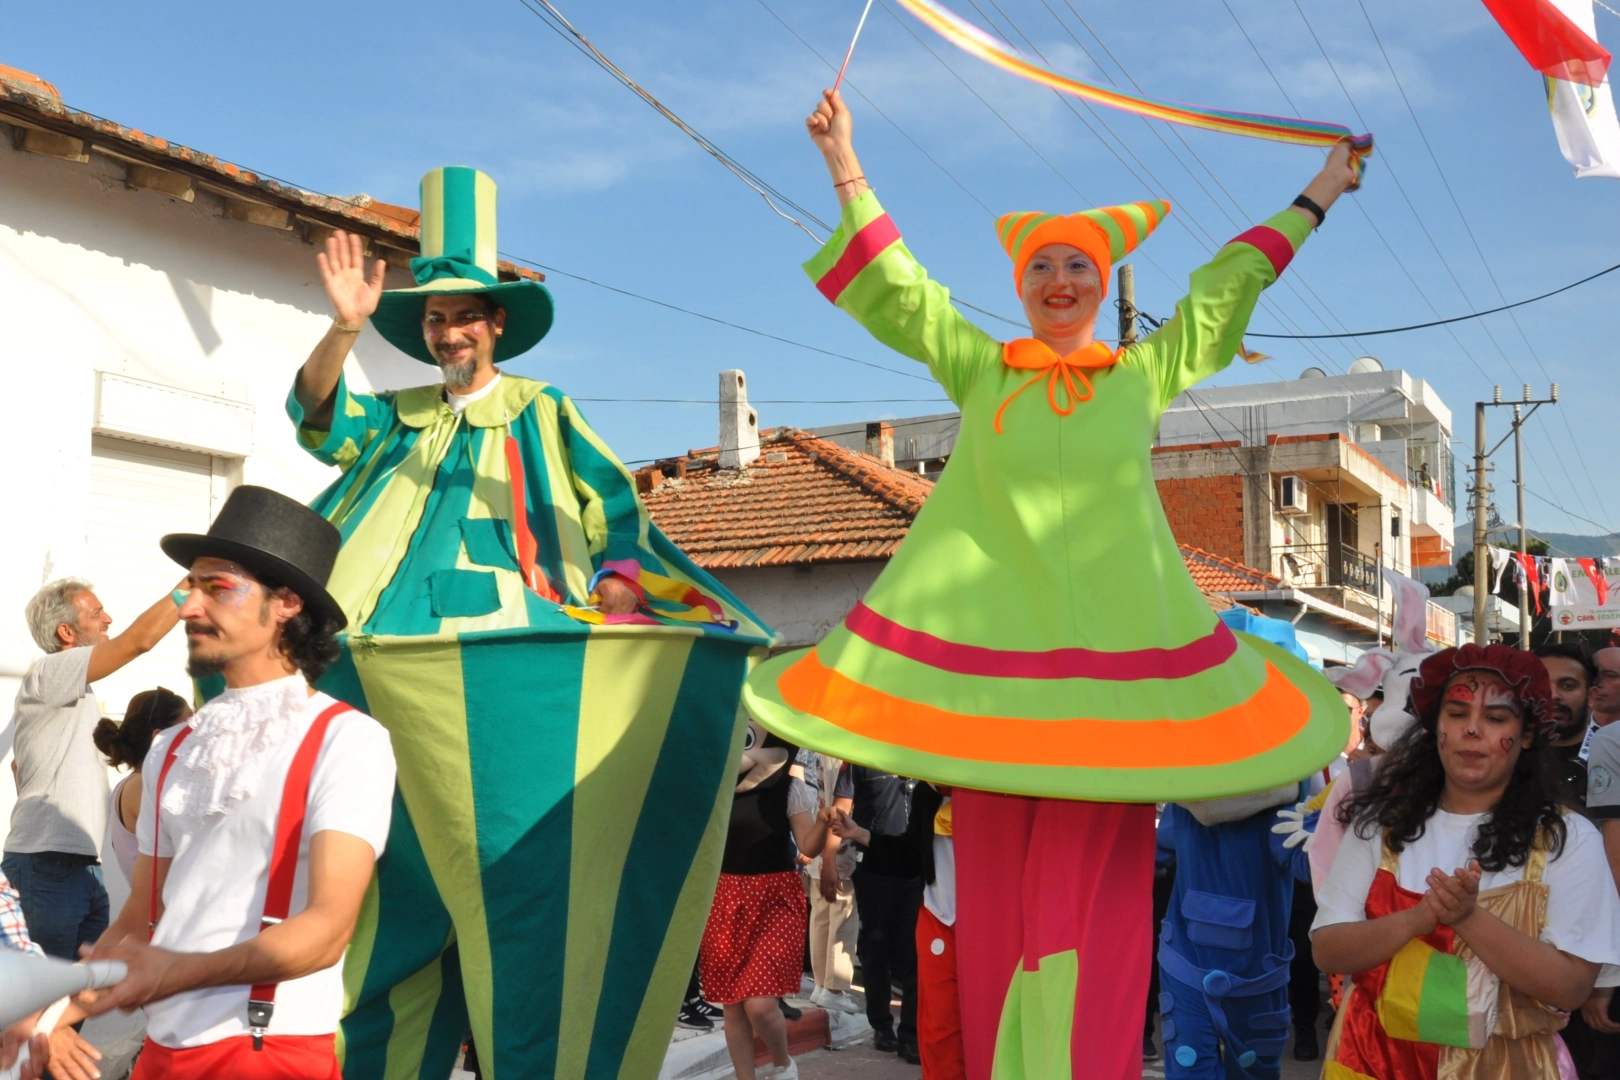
[[564, 776]]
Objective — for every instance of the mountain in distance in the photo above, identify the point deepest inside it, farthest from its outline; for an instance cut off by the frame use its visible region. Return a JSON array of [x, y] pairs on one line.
[[1562, 545]]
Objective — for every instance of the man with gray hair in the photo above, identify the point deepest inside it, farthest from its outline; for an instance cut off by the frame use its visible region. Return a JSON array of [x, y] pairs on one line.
[[52, 853]]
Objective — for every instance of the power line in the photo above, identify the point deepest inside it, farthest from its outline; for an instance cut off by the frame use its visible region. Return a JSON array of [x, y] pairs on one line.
[[547, 13], [716, 319], [1478, 250], [1444, 322], [1389, 165]]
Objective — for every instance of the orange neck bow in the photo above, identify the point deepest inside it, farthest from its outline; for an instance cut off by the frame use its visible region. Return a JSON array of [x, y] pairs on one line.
[[1028, 354]]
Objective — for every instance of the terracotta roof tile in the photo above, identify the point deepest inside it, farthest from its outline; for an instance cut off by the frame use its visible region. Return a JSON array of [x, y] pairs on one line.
[[804, 501], [28, 100], [1216, 574]]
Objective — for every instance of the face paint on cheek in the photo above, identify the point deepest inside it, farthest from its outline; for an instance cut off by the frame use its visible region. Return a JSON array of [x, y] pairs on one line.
[[1440, 741], [1507, 744]]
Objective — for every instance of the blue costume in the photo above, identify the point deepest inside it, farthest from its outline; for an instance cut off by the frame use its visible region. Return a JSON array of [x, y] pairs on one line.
[[1224, 950]]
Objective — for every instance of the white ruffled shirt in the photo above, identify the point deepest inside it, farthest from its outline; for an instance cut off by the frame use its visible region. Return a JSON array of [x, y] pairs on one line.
[[220, 805]]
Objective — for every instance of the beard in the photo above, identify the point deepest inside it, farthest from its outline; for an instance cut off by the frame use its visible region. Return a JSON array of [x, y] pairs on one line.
[[458, 376], [200, 665]]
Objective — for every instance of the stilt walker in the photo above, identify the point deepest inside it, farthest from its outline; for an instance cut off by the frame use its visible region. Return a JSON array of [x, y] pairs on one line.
[[560, 683], [1037, 642]]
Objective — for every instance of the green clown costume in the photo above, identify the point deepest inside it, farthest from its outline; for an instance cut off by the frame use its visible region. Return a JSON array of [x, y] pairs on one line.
[[564, 776], [1037, 642]]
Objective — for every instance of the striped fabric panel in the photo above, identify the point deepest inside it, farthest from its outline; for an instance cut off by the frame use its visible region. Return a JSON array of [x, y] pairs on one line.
[[1425, 996], [576, 858]]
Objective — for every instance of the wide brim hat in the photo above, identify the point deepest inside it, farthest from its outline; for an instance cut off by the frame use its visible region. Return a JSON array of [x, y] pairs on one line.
[[274, 538], [458, 257], [1106, 234]]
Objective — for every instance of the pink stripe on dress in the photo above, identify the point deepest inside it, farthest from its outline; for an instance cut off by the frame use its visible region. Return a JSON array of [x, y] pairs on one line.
[[1270, 243], [1189, 659], [867, 244]]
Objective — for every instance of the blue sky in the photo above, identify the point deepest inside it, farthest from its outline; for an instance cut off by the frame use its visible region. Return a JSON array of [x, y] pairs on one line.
[[365, 97]]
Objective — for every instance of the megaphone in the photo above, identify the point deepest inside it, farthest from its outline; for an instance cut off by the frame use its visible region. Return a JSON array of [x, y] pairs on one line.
[[28, 983]]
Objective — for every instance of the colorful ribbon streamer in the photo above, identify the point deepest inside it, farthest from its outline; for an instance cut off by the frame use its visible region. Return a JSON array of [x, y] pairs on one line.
[[970, 39]]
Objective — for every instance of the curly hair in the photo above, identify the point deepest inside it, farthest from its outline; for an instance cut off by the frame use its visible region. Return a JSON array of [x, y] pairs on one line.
[[148, 713], [308, 639], [1405, 793]]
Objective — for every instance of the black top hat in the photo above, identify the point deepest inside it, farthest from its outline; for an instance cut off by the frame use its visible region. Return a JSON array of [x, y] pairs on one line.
[[274, 538]]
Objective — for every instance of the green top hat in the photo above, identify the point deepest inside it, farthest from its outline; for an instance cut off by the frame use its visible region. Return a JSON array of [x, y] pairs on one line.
[[458, 256]]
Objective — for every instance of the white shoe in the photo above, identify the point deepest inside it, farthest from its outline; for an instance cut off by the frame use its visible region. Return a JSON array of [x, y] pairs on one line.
[[838, 1001], [790, 1071], [816, 995], [807, 986]]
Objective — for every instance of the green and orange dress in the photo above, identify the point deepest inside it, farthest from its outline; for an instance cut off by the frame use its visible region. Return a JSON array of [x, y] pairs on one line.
[[1037, 636]]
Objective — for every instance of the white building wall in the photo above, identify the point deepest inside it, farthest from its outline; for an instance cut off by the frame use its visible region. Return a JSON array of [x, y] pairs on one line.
[[802, 604], [100, 278]]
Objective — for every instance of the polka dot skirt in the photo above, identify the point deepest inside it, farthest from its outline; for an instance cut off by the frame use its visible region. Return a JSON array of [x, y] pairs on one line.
[[753, 945]]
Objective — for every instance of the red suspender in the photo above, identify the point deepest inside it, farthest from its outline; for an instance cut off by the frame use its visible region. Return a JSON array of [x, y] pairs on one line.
[[283, 857], [157, 826]]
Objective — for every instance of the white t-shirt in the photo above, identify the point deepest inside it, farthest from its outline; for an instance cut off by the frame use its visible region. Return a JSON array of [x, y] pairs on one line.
[[214, 894], [61, 779], [1583, 907], [459, 402]]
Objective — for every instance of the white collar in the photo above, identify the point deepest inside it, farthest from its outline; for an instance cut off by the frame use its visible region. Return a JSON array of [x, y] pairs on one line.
[[459, 402], [214, 769]]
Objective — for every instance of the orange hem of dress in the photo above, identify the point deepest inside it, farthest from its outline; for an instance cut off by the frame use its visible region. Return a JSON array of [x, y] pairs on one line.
[[1275, 713]]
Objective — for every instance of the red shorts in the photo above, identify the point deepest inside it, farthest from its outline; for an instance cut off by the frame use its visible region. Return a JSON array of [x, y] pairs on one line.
[[284, 1057]]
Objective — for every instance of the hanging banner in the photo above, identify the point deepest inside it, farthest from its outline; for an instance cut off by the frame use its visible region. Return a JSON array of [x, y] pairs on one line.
[[1578, 583], [1583, 115]]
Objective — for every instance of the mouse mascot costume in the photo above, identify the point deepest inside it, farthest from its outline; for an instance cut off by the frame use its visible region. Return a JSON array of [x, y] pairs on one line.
[[1038, 643], [564, 776]]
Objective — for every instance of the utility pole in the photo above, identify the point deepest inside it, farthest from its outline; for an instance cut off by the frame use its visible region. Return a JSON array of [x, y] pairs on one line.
[[1482, 560], [1481, 491], [1127, 304], [1518, 482]]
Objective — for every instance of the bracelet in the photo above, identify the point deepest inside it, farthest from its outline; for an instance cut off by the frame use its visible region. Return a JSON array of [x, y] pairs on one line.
[[845, 183], [1305, 202], [348, 329]]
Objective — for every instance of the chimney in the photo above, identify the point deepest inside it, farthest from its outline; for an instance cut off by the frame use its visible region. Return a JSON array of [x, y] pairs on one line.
[[739, 424], [880, 442]]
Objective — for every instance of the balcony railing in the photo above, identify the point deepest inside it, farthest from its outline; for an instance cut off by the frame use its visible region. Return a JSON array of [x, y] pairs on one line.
[[1431, 466], [1332, 564]]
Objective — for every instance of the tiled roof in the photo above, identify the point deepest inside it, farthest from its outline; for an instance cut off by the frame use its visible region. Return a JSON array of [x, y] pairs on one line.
[[1215, 574], [804, 501], [30, 102]]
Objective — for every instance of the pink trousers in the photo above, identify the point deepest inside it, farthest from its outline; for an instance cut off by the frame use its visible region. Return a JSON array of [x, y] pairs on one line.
[[1053, 932]]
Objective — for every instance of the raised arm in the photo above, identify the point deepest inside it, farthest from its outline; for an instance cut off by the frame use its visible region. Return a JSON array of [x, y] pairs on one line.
[[1208, 326], [138, 639], [866, 269], [354, 297]]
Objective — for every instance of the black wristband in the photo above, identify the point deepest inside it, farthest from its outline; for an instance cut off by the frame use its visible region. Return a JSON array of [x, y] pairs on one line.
[[1305, 202]]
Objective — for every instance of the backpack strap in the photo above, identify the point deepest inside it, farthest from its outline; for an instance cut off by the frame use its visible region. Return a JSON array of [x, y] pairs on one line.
[[284, 857], [157, 826]]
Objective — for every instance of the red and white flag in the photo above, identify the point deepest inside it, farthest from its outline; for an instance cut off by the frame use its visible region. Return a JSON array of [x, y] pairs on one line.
[[1555, 43], [1583, 114]]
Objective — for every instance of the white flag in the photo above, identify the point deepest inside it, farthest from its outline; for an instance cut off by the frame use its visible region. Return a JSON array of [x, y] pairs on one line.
[[1563, 581], [1583, 116]]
